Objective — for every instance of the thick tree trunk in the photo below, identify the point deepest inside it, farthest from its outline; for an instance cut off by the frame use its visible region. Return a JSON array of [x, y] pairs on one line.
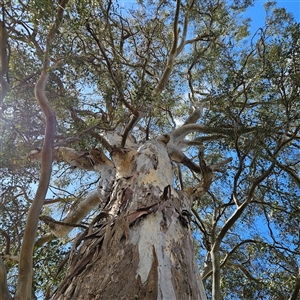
[[140, 246]]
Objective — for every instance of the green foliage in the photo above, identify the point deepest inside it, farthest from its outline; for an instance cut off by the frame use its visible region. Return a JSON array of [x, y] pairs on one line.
[[250, 85]]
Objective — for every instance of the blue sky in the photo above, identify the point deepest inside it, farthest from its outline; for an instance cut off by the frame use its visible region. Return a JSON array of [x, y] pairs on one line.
[[257, 12]]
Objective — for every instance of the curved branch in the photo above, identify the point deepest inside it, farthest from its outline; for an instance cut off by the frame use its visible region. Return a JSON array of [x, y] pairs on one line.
[[75, 216], [172, 55], [86, 160], [24, 286], [179, 157], [129, 127], [231, 221], [185, 28], [179, 133], [195, 116], [25, 267], [244, 270]]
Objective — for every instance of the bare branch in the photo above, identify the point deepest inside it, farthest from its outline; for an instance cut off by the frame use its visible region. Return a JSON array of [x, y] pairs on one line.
[[94, 159], [244, 270], [206, 173], [53, 223], [238, 212], [172, 55], [98, 197], [24, 286], [25, 267], [194, 117], [44, 239], [134, 120], [76, 215], [110, 69], [180, 133], [185, 28], [66, 140], [178, 156]]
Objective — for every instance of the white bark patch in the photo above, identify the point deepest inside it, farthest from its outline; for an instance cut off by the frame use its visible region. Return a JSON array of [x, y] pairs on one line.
[[150, 163], [154, 165], [150, 234]]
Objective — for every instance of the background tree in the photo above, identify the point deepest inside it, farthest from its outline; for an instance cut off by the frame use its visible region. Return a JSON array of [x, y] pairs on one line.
[[158, 117]]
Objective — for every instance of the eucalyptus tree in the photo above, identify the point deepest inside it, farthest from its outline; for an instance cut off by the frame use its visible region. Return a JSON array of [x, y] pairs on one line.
[[136, 125]]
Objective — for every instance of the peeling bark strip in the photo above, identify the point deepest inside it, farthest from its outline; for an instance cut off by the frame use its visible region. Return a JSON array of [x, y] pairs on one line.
[[153, 259], [141, 245]]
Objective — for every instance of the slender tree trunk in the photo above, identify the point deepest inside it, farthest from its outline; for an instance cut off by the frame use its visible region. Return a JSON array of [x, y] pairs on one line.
[[140, 246], [216, 287]]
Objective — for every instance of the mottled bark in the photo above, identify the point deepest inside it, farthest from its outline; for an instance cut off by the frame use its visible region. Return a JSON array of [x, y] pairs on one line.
[[141, 245]]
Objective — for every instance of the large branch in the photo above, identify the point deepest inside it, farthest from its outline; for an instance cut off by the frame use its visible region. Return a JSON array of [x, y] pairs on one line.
[[172, 55], [100, 196], [238, 212], [180, 133], [195, 116], [94, 159], [185, 28], [208, 271], [76, 215], [178, 156], [133, 121], [24, 286], [25, 266]]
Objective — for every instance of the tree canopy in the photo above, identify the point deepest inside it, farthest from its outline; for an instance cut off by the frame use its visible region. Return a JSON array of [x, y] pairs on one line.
[[94, 68]]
